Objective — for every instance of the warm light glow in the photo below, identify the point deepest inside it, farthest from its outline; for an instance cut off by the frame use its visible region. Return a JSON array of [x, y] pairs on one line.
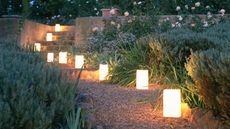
[[172, 103], [63, 57], [57, 27], [185, 110], [142, 79], [49, 37], [50, 57], [79, 61], [103, 71], [37, 47]]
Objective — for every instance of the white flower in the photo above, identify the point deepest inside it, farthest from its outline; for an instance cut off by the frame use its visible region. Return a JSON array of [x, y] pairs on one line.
[[193, 8], [97, 13], [95, 9], [126, 13], [186, 7], [207, 7], [112, 11], [113, 23], [178, 8], [31, 3], [205, 24], [139, 2], [197, 4], [209, 15], [134, 3], [118, 26], [87, 2], [178, 24], [95, 29], [180, 18], [193, 25], [129, 21], [222, 11], [173, 25]]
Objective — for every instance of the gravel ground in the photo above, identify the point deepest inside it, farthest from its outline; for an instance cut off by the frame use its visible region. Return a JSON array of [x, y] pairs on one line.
[[117, 107]]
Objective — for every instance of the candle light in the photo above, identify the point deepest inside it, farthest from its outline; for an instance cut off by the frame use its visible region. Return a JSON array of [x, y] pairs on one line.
[[79, 61], [172, 103], [63, 57], [103, 71], [50, 57], [142, 79], [37, 47], [49, 37], [57, 27]]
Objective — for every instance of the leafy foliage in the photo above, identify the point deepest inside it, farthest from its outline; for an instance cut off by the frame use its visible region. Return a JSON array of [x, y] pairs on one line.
[[210, 72], [33, 94], [136, 58]]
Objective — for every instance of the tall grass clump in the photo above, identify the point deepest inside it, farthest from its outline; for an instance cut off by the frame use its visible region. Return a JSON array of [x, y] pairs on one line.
[[33, 94], [123, 72]]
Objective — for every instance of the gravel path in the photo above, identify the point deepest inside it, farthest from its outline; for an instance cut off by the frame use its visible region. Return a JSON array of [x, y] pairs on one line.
[[118, 107]]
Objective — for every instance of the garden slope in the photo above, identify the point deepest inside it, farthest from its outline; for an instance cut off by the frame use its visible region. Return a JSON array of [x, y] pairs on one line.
[[119, 108]]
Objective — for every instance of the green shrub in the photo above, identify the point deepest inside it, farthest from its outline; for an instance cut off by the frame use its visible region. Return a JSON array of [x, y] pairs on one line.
[[124, 71], [33, 94], [210, 72]]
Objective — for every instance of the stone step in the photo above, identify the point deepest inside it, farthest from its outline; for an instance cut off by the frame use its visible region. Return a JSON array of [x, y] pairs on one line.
[[59, 42], [63, 37], [64, 28], [45, 48]]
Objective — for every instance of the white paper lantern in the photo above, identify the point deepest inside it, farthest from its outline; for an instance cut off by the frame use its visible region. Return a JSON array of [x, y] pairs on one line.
[[63, 57], [37, 47], [79, 61], [57, 27], [172, 103], [49, 37], [103, 71], [142, 79], [50, 57]]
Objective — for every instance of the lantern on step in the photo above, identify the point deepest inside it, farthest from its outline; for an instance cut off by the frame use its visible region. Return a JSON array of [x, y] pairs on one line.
[[57, 27], [37, 47], [63, 57], [50, 57], [142, 79], [79, 61], [49, 37], [103, 72], [172, 103]]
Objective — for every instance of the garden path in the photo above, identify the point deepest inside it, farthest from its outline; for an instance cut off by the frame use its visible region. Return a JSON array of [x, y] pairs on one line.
[[117, 107]]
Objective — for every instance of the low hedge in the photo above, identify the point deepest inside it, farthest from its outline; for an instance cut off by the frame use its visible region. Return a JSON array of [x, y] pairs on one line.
[[33, 94]]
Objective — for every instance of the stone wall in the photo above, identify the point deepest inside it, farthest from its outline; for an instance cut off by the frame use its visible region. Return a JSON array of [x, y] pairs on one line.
[[84, 26], [34, 32]]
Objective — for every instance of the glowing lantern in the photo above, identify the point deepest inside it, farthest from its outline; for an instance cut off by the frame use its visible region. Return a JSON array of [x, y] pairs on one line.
[[142, 79], [49, 37], [172, 103], [103, 71], [57, 27], [50, 57], [37, 47], [63, 57], [79, 61]]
